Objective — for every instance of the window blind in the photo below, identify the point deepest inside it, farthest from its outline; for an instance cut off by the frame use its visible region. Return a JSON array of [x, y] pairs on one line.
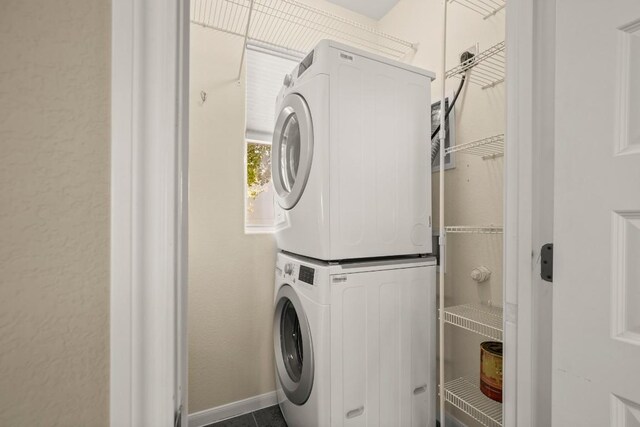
[[265, 73]]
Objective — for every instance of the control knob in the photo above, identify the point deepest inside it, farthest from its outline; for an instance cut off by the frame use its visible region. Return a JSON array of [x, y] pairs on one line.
[[288, 269]]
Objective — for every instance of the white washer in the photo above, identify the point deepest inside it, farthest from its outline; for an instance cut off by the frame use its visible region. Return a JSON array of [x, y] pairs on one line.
[[351, 156], [355, 343]]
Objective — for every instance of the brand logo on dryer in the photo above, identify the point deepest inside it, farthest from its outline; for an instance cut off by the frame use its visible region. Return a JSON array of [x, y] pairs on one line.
[[346, 57]]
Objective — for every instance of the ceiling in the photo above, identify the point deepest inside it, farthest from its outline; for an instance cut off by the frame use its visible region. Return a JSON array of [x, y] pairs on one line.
[[375, 9]]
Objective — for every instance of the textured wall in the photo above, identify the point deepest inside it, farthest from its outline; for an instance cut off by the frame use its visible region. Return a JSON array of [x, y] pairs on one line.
[[54, 212]]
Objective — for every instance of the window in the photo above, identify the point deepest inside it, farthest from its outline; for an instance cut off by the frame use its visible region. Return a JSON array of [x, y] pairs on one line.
[[259, 215], [265, 72]]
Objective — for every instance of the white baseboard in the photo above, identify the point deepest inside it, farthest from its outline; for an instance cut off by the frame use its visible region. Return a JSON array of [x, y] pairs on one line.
[[233, 409]]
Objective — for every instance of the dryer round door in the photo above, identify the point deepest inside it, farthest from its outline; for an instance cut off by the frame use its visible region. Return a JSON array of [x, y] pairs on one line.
[[292, 150], [293, 346]]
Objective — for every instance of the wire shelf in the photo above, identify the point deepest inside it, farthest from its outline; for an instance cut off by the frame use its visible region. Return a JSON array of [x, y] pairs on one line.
[[465, 394], [292, 25], [486, 8], [482, 319], [471, 229], [486, 69], [487, 148]]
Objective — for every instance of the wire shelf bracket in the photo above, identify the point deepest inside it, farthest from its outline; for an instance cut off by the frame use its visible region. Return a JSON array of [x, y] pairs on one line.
[[487, 148], [472, 229], [485, 320], [486, 8], [293, 26], [486, 69], [464, 394], [246, 39]]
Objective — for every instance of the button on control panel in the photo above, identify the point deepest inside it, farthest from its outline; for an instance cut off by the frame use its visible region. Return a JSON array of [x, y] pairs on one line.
[[306, 274]]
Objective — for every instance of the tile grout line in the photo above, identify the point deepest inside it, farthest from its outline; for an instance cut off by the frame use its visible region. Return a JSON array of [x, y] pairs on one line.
[[253, 415]]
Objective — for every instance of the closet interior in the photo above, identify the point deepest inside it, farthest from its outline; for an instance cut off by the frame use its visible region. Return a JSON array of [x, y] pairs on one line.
[[471, 215], [470, 230]]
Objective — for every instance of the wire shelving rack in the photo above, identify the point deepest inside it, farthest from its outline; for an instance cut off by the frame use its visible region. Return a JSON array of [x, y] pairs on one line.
[[486, 69], [464, 394], [486, 8], [473, 229], [293, 26], [483, 319], [487, 148]]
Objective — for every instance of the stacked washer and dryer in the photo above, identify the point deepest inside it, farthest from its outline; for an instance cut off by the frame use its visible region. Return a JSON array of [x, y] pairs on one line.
[[355, 305]]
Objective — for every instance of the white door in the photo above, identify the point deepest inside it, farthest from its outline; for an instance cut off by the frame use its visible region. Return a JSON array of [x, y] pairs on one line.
[[596, 316]]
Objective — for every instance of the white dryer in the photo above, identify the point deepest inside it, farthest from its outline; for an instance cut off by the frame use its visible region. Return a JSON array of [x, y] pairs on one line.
[[355, 343], [351, 156]]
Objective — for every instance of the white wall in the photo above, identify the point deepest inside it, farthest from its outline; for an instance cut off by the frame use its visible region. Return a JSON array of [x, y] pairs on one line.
[[54, 213], [474, 188], [231, 274]]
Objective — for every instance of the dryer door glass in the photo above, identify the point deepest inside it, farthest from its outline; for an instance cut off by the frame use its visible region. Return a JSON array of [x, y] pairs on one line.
[[293, 346], [292, 150]]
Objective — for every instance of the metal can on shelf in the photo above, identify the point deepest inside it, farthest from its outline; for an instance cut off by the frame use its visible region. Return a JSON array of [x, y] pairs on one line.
[[491, 370]]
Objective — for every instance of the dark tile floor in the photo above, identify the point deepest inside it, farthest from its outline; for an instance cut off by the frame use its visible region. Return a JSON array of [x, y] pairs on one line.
[[267, 417]]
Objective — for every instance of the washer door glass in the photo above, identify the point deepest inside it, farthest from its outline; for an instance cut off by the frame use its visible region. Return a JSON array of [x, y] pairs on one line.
[[292, 150], [291, 341], [293, 346]]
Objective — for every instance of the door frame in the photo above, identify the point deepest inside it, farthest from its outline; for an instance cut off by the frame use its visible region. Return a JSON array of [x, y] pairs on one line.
[[149, 170], [149, 176], [528, 204], [518, 218]]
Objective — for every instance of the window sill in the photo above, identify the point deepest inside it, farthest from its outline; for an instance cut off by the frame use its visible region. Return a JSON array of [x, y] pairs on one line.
[[257, 229]]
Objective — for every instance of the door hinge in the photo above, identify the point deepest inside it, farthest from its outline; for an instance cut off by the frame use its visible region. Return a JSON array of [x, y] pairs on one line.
[[546, 262]]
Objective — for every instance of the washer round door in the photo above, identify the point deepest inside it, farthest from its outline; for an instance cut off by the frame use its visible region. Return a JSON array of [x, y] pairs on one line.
[[292, 150], [293, 346]]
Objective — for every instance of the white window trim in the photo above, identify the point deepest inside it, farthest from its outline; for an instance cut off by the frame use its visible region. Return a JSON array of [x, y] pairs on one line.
[[257, 141]]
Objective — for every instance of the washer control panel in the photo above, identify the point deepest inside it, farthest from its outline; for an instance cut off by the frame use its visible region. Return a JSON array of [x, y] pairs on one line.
[[298, 272], [306, 274]]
